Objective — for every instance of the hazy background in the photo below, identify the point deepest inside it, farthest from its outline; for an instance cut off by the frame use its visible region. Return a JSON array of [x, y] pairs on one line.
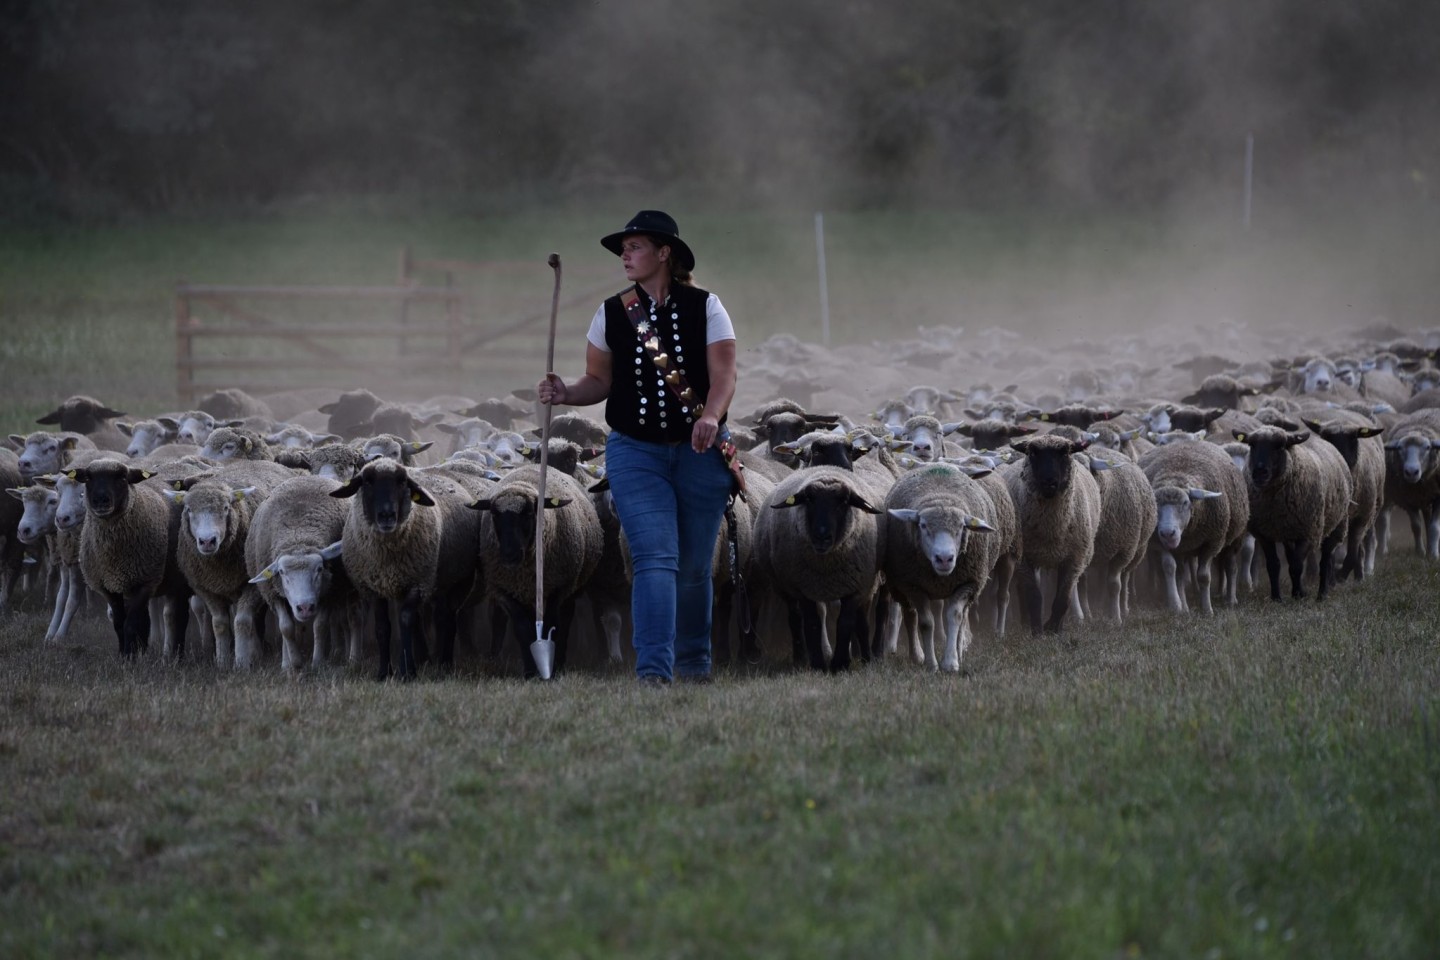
[[1064, 162]]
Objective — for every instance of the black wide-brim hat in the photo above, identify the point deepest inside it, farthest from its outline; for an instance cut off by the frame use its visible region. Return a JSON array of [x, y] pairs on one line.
[[658, 225]]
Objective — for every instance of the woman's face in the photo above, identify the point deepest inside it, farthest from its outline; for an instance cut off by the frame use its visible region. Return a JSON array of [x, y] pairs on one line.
[[642, 259]]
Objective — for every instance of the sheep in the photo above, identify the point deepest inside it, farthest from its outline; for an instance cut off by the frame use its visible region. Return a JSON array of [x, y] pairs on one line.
[[1058, 512], [90, 417], [126, 547], [12, 514], [195, 426], [1072, 414], [1412, 475], [293, 435], [394, 552], [350, 415], [339, 461], [393, 447], [1202, 512], [564, 455], [938, 546], [292, 554], [827, 551], [494, 411], [1299, 496], [45, 452], [1356, 438], [572, 540], [471, 431], [215, 514], [68, 522], [578, 428], [1222, 390], [992, 433], [145, 436], [233, 404], [235, 443], [1127, 517], [926, 435]]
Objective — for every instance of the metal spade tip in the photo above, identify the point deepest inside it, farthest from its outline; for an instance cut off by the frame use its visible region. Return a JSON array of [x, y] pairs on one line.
[[542, 650]]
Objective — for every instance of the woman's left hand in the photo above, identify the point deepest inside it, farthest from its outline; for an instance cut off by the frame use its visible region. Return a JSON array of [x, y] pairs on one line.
[[702, 438]]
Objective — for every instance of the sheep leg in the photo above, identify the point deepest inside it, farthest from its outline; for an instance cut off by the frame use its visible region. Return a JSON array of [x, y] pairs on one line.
[[1004, 573], [289, 638], [1065, 579], [925, 614], [1272, 564], [410, 634], [62, 598], [1372, 546], [1382, 534], [73, 600], [499, 623], [1030, 591], [177, 621], [220, 622], [1296, 553], [812, 623], [445, 627], [957, 631], [1114, 587], [1168, 566], [382, 636], [1327, 551], [1203, 572], [1432, 532], [355, 621], [609, 621], [1416, 531], [797, 631], [847, 628], [247, 639], [117, 620]]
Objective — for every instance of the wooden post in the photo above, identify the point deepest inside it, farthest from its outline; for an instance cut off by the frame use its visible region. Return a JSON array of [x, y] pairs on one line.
[[184, 347]]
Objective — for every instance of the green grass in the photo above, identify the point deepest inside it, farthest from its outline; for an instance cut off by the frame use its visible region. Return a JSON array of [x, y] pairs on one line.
[[1260, 784]]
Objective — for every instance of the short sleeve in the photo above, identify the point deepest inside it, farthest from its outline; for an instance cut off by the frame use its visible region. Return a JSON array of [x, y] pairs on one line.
[[596, 335], [717, 322]]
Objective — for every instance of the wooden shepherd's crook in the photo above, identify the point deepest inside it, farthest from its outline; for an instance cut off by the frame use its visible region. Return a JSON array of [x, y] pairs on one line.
[[542, 649]]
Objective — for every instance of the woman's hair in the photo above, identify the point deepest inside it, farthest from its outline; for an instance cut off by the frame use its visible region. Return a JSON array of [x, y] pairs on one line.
[[677, 273]]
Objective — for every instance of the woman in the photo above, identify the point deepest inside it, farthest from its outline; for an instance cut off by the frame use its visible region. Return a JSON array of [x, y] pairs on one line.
[[670, 483]]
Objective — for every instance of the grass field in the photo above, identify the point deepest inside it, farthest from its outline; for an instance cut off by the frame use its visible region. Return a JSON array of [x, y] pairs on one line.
[[1265, 783]]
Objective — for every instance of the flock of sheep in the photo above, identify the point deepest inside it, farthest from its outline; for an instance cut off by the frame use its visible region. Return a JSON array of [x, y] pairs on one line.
[[1135, 471]]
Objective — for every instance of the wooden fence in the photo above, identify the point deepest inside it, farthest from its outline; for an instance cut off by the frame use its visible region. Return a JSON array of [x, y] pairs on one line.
[[411, 338]]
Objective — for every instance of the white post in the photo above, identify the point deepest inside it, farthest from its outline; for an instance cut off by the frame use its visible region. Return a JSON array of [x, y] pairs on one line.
[[1249, 174], [824, 290]]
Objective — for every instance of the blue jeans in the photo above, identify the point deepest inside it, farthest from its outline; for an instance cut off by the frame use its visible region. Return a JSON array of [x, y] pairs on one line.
[[670, 501]]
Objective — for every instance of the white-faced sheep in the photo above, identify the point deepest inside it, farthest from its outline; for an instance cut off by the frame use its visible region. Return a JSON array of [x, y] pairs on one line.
[[45, 452], [235, 443], [293, 557], [145, 436], [816, 540], [938, 548], [339, 461], [572, 541], [1300, 497], [1412, 475], [127, 550], [1058, 511], [68, 522], [215, 514], [1202, 509], [195, 426]]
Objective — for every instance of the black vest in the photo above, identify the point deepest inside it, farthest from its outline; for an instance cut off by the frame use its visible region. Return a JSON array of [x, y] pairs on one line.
[[641, 405]]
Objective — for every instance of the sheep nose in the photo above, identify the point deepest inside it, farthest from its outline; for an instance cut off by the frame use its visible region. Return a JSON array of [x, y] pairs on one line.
[[944, 559], [1412, 474], [206, 544], [304, 611], [27, 464]]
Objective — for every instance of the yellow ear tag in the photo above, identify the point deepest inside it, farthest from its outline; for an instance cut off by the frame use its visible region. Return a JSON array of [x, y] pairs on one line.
[[1044, 417], [71, 474], [1240, 437], [268, 574], [414, 498], [790, 501], [554, 501], [237, 495], [147, 474], [178, 484], [415, 446], [972, 523]]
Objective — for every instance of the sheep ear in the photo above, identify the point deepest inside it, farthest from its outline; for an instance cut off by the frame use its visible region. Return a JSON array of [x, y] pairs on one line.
[[966, 429], [174, 496], [243, 493], [169, 423], [1367, 432], [420, 495], [230, 423], [1292, 439], [481, 504], [949, 428], [977, 472], [69, 443], [15, 492], [106, 413], [267, 574], [905, 515], [136, 475], [555, 503], [1315, 425], [1019, 446], [1192, 398], [350, 489], [1077, 445], [1239, 435], [420, 446], [795, 499], [332, 551], [1017, 430], [1198, 493], [977, 525], [51, 417], [1213, 414], [1106, 414], [860, 503], [248, 444], [79, 476], [17, 441]]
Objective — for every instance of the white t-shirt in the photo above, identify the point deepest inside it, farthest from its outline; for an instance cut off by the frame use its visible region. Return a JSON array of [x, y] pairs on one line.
[[717, 324]]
